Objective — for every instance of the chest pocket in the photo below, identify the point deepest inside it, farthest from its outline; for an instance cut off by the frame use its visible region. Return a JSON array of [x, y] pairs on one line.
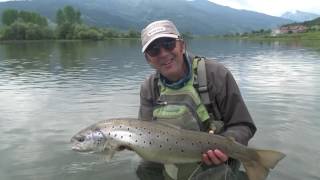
[[181, 107]]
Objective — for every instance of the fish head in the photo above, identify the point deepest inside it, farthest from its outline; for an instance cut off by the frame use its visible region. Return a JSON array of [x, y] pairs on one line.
[[89, 140]]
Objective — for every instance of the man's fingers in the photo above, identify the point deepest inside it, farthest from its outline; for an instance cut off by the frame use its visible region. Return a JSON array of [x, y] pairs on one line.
[[206, 160], [213, 157], [223, 157]]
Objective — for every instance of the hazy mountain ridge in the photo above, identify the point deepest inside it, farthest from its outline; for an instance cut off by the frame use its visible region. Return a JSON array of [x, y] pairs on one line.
[[198, 17], [299, 16]]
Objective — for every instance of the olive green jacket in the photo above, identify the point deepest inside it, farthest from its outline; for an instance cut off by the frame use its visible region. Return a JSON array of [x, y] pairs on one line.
[[223, 89]]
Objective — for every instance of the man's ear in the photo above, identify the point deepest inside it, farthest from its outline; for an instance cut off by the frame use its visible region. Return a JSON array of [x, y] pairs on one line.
[[183, 45], [146, 57]]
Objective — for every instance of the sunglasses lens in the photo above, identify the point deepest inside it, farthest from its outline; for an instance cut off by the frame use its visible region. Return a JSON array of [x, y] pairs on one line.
[[167, 43], [153, 50]]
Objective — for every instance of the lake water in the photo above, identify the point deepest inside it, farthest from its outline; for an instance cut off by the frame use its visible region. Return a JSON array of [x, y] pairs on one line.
[[50, 90]]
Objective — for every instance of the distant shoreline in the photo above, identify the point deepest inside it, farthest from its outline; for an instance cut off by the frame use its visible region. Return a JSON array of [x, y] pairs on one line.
[[284, 37], [307, 36], [70, 40]]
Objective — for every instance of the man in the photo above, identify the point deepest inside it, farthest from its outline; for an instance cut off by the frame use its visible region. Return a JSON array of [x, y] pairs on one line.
[[176, 95]]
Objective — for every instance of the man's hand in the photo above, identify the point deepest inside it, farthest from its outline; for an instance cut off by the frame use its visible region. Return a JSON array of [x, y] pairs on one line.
[[214, 157]]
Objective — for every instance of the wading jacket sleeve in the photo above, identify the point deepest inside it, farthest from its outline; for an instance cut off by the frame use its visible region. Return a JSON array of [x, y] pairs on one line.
[[223, 89]]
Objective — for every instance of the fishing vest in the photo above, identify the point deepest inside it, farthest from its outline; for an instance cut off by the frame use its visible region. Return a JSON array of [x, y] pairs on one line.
[[182, 107], [186, 108]]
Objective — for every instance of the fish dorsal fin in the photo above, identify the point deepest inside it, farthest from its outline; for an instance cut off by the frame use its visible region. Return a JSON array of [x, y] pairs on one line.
[[169, 125]]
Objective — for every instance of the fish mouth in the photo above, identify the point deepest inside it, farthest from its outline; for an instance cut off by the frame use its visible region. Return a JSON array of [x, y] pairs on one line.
[[77, 148], [76, 145]]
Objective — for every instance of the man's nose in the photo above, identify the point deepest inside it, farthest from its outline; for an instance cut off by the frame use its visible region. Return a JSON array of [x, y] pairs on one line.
[[163, 51]]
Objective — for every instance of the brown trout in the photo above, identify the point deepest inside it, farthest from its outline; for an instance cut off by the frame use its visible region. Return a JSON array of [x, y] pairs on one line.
[[168, 144]]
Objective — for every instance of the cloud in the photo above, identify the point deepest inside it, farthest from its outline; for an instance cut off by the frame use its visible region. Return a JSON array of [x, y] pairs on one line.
[[272, 7]]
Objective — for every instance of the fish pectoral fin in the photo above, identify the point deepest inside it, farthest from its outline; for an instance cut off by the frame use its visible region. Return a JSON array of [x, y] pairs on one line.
[[110, 150], [109, 154], [171, 170]]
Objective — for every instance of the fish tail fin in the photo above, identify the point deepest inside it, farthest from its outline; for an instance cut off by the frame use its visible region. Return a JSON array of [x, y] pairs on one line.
[[265, 160]]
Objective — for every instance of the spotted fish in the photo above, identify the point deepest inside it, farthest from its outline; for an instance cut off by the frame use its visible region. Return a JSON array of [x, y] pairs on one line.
[[167, 144]]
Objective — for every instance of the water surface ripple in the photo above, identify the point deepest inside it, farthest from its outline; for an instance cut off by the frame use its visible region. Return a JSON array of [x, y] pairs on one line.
[[50, 90]]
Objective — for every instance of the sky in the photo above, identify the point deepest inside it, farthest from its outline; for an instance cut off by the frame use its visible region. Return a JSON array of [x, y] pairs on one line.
[[273, 7], [270, 7]]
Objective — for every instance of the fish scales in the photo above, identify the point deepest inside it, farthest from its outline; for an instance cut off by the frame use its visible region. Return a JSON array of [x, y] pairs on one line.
[[167, 144]]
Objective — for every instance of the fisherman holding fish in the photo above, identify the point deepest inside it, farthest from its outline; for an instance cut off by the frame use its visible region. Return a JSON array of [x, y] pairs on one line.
[[192, 93], [193, 123]]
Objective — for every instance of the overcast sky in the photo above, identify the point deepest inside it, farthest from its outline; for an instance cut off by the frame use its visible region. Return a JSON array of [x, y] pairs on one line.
[[273, 7]]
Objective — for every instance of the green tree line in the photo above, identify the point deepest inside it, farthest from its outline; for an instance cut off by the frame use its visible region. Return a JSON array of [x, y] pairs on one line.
[[24, 25]]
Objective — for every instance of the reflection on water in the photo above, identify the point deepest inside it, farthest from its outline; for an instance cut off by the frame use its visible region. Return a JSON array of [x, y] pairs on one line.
[[50, 90]]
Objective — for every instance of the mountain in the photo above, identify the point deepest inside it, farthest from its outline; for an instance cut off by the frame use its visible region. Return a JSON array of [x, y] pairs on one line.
[[197, 16], [299, 16], [309, 24]]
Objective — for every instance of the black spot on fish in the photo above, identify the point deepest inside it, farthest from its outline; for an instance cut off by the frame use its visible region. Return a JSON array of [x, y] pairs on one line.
[[176, 142], [182, 139], [160, 146], [140, 134], [208, 142], [120, 126], [200, 142], [112, 127], [144, 142], [150, 142], [182, 150], [115, 135], [109, 133], [158, 136], [167, 139], [170, 149], [121, 137], [128, 129], [149, 132], [136, 140], [192, 143]]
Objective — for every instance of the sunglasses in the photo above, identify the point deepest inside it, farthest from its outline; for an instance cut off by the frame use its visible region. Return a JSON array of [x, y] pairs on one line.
[[166, 43]]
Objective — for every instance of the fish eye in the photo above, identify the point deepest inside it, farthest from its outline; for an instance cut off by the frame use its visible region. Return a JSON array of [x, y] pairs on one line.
[[81, 139]]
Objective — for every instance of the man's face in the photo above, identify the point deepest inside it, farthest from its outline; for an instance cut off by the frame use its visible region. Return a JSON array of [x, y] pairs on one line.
[[166, 56]]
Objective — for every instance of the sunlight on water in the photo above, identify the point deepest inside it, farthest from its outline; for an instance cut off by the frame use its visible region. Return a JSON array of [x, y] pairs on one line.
[[50, 90]]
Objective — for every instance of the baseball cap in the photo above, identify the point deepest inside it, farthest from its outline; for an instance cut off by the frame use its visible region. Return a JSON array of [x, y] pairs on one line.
[[158, 29]]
